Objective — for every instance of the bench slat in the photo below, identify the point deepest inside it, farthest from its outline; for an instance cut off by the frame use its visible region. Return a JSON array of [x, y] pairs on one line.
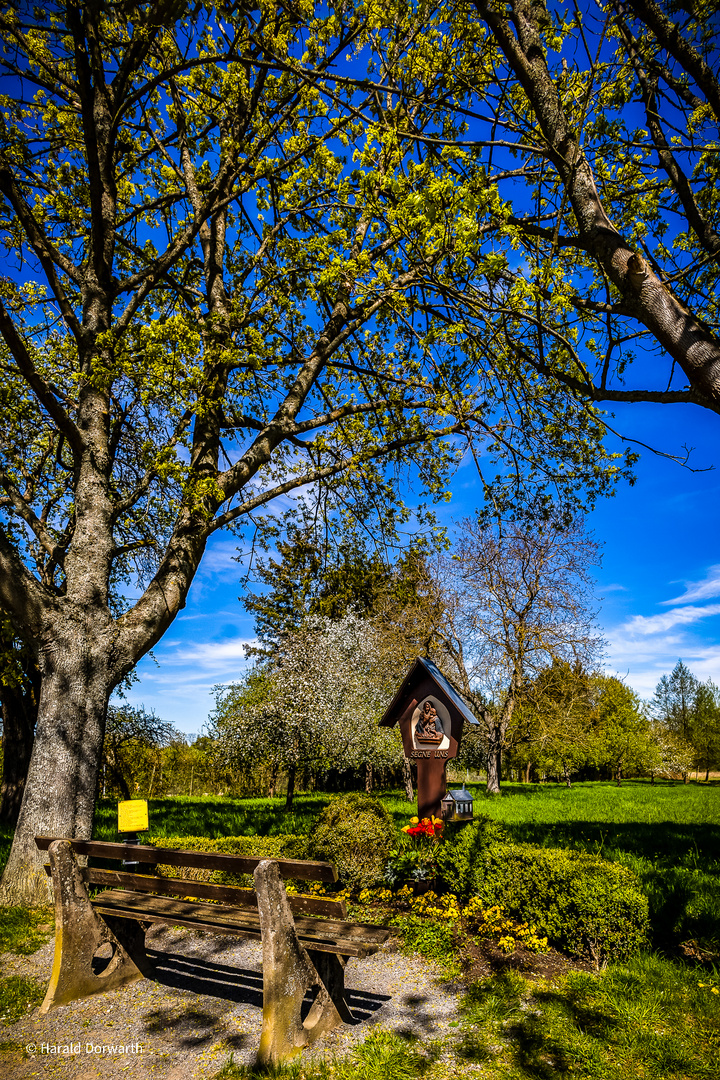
[[299, 869], [313, 934], [359, 932], [231, 894]]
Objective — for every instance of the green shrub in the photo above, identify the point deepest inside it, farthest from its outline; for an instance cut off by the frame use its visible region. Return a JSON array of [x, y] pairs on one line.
[[356, 833], [460, 850], [253, 847], [584, 904]]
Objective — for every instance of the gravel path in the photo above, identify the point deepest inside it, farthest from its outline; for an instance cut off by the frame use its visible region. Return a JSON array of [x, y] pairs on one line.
[[205, 1005]]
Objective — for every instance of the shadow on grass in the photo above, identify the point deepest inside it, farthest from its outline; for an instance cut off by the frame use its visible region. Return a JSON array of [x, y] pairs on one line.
[[669, 843], [214, 818], [638, 1016]]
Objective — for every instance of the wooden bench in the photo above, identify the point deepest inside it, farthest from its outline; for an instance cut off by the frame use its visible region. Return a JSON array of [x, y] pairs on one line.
[[306, 940]]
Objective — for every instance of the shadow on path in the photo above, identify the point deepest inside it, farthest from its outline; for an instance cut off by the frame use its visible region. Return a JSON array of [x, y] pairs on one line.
[[240, 985]]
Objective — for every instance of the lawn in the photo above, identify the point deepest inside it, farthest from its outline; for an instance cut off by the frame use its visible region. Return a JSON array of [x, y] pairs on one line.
[[657, 1016]]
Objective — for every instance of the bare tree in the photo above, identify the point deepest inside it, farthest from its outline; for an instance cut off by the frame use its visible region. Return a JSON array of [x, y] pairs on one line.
[[519, 596]]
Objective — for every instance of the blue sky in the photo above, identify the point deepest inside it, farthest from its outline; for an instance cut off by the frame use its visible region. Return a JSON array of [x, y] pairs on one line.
[[658, 586]]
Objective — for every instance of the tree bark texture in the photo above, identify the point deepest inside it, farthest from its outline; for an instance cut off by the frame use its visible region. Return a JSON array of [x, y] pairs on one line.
[[368, 778], [62, 779], [407, 780], [494, 763], [292, 770]]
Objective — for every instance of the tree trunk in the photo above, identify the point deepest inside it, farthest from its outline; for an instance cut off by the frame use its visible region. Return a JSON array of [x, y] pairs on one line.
[[618, 777], [62, 779], [494, 762], [19, 714], [290, 787], [121, 782], [566, 774], [273, 782], [652, 778], [407, 780], [368, 778], [527, 773]]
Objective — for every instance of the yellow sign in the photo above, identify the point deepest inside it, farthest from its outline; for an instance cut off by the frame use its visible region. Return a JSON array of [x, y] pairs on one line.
[[133, 816]]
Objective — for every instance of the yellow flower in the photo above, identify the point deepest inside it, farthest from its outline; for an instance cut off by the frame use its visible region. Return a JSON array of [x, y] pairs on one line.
[[414, 821]]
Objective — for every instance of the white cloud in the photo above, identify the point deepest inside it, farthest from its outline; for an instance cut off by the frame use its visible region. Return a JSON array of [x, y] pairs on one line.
[[643, 669], [212, 654], [708, 587], [180, 688], [645, 647], [680, 616], [220, 560]]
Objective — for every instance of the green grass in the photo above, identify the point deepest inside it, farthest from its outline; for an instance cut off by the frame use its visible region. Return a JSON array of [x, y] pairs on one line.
[[649, 1018], [24, 930], [213, 816], [669, 834], [17, 995], [383, 1056], [654, 1017]]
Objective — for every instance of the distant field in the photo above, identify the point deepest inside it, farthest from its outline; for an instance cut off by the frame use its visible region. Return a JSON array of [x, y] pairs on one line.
[[589, 815]]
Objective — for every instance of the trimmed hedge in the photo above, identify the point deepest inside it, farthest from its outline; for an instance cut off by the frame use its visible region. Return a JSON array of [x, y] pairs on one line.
[[584, 904], [357, 834], [253, 847]]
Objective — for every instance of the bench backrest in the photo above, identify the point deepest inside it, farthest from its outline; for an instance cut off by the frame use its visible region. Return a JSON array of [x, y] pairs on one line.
[[299, 869]]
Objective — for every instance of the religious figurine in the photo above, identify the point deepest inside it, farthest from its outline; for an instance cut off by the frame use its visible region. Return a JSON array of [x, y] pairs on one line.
[[428, 728]]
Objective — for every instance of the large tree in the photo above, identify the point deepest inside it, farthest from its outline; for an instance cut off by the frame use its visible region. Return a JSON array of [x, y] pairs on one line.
[[689, 711], [558, 719], [518, 597], [242, 246], [219, 252], [313, 703], [625, 734]]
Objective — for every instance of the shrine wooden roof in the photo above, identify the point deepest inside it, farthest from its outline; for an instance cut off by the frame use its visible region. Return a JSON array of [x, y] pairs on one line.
[[421, 669]]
